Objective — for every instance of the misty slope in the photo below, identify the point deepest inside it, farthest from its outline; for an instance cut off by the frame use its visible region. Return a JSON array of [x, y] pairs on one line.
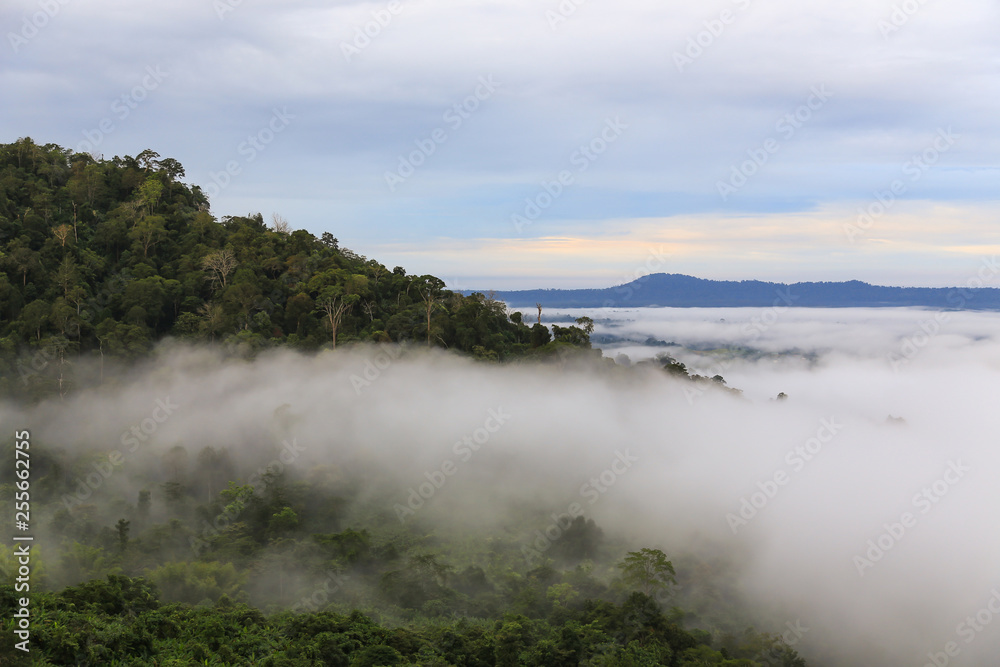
[[675, 290], [184, 435], [870, 536], [112, 271], [338, 482]]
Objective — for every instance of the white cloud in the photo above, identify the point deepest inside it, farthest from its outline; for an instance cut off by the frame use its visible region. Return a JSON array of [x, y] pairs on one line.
[[687, 129]]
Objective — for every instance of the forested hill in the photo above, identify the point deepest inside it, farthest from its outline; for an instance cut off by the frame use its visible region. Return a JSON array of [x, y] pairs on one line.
[[680, 291], [105, 257]]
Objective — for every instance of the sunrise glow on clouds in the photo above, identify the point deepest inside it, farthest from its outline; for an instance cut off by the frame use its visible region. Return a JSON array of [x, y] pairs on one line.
[[740, 138]]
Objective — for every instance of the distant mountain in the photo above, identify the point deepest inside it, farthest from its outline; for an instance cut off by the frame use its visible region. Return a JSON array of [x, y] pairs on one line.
[[680, 291]]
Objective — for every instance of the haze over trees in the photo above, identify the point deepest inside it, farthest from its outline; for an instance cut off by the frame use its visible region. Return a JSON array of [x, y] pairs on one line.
[[185, 561]]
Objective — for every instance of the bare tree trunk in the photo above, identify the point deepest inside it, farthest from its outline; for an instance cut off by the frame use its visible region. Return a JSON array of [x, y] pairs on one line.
[[335, 313]]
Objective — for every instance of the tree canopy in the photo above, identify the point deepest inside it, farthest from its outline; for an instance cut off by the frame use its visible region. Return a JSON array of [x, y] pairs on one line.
[[103, 258]]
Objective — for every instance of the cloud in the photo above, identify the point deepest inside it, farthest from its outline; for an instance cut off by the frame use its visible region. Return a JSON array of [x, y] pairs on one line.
[[829, 243], [816, 480], [891, 91]]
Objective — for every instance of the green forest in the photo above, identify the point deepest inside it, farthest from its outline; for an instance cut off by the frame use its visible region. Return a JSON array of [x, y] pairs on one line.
[[103, 260]]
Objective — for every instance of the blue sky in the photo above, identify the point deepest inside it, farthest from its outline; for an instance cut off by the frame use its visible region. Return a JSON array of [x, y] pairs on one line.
[[539, 143]]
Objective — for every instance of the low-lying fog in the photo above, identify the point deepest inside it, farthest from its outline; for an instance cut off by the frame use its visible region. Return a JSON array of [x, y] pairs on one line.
[[878, 535]]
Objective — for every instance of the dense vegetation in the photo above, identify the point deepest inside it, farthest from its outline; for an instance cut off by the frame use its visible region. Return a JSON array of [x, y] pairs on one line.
[[291, 572], [103, 258], [99, 261], [121, 622]]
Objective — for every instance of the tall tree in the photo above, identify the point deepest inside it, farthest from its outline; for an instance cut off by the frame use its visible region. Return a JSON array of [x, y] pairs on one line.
[[334, 306], [647, 570], [220, 263], [429, 288]]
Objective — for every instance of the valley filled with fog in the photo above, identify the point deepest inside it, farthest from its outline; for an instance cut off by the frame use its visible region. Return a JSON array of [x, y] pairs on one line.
[[915, 392], [855, 514]]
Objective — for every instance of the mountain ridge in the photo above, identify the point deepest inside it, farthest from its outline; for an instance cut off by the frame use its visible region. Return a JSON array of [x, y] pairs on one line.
[[683, 291]]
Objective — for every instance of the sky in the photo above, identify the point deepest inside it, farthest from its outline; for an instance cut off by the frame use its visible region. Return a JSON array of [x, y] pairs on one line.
[[538, 143]]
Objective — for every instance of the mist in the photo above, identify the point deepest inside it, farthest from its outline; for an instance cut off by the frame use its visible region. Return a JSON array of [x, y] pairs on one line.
[[857, 507]]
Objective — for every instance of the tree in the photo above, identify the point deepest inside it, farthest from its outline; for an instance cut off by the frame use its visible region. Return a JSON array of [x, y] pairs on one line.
[[571, 335], [149, 231], [215, 468], [143, 505], [378, 655], [87, 185], [67, 276], [334, 307], [172, 492], [22, 259], [280, 225], [509, 643], [35, 317], [539, 335], [176, 462], [121, 339], [283, 522], [297, 312], [150, 192], [129, 210], [147, 159], [579, 541], [173, 169], [246, 296], [111, 235], [148, 296], [195, 581], [369, 308], [221, 263], [213, 318], [62, 233], [122, 527], [647, 570], [429, 289]]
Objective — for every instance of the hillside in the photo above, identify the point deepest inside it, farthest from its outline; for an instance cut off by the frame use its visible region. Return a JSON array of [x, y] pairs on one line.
[[195, 547], [103, 258]]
